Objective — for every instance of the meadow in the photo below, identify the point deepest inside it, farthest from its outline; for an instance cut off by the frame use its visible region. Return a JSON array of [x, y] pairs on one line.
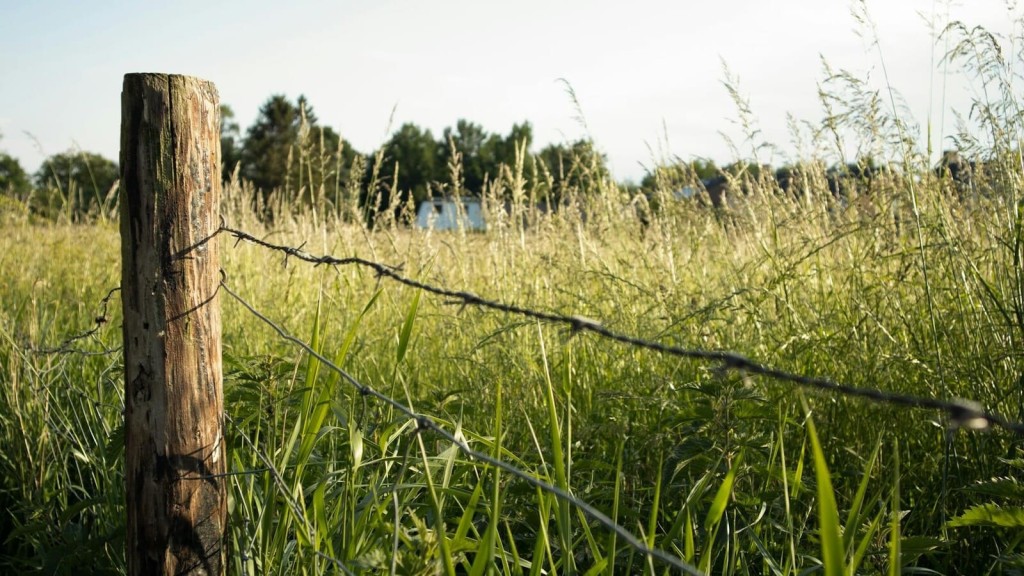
[[906, 283], [730, 472]]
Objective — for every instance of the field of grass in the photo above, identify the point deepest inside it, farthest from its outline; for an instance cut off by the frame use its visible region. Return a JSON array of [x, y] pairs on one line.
[[731, 473], [906, 284]]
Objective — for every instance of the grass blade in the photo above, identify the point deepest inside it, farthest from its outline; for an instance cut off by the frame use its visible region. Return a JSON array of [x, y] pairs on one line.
[[406, 332], [828, 513], [895, 538]]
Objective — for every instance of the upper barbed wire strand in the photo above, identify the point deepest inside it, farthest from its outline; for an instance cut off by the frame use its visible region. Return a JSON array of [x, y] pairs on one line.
[[962, 413]]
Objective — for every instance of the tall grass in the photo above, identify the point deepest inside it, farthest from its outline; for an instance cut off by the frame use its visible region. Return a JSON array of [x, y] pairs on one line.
[[731, 473]]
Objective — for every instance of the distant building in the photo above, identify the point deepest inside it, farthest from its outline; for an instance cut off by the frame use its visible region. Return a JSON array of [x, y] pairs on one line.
[[685, 192], [450, 214]]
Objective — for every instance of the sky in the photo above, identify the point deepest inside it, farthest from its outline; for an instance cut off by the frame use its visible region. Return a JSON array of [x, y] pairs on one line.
[[647, 74]]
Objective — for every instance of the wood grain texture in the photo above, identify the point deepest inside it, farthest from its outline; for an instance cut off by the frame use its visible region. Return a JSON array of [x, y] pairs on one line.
[[170, 196]]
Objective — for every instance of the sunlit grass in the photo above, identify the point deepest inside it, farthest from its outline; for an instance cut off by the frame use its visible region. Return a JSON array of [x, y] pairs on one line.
[[711, 466], [876, 287]]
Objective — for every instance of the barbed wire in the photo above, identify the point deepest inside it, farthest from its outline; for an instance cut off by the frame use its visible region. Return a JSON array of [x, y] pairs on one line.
[[278, 479], [961, 413], [425, 423], [98, 322]]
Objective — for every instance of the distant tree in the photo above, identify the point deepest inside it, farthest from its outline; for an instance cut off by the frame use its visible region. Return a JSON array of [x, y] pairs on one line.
[[272, 139], [230, 142], [79, 180], [576, 169], [678, 175], [13, 179], [482, 155], [499, 151], [344, 186], [668, 178], [853, 177], [705, 168], [468, 140], [743, 169], [519, 135], [554, 160], [417, 158], [323, 169], [287, 149]]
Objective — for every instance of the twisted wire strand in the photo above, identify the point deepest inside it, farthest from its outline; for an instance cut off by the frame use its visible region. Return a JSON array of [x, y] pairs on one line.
[[961, 413], [98, 323], [425, 423]]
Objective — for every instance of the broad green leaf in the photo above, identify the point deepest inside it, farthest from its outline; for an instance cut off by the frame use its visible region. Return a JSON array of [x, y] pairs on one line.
[[689, 546], [853, 515], [613, 537], [722, 497], [350, 337], [828, 513], [320, 521], [599, 566], [406, 333], [991, 515]]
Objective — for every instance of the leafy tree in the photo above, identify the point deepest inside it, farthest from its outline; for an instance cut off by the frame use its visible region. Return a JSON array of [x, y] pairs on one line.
[[501, 151], [576, 169], [77, 180], [744, 169], [286, 149], [421, 163], [705, 168], [468, 140], [676, 176], [668, 178], [270, 141], [853, 177], [324, 167], [482, 154], [230, 142], [13, 180], [413, 153]]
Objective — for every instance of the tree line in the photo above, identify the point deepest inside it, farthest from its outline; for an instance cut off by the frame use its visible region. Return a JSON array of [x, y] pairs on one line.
[[287, 151], [75, 183]]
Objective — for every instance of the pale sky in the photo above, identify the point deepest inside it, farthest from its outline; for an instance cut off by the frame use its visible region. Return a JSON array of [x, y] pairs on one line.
[[647, 73]]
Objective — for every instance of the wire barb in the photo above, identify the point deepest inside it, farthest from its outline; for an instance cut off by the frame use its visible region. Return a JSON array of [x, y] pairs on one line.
[[98, 322]]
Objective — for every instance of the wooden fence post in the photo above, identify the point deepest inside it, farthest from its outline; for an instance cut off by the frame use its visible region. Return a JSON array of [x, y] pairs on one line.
[[174, 440]]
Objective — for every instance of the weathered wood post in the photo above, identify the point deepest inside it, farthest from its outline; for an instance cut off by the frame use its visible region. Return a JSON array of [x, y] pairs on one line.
[[174, 442]]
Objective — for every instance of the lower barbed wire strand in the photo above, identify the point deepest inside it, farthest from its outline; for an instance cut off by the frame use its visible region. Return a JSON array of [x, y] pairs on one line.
[[100, 321], [426, 423]]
